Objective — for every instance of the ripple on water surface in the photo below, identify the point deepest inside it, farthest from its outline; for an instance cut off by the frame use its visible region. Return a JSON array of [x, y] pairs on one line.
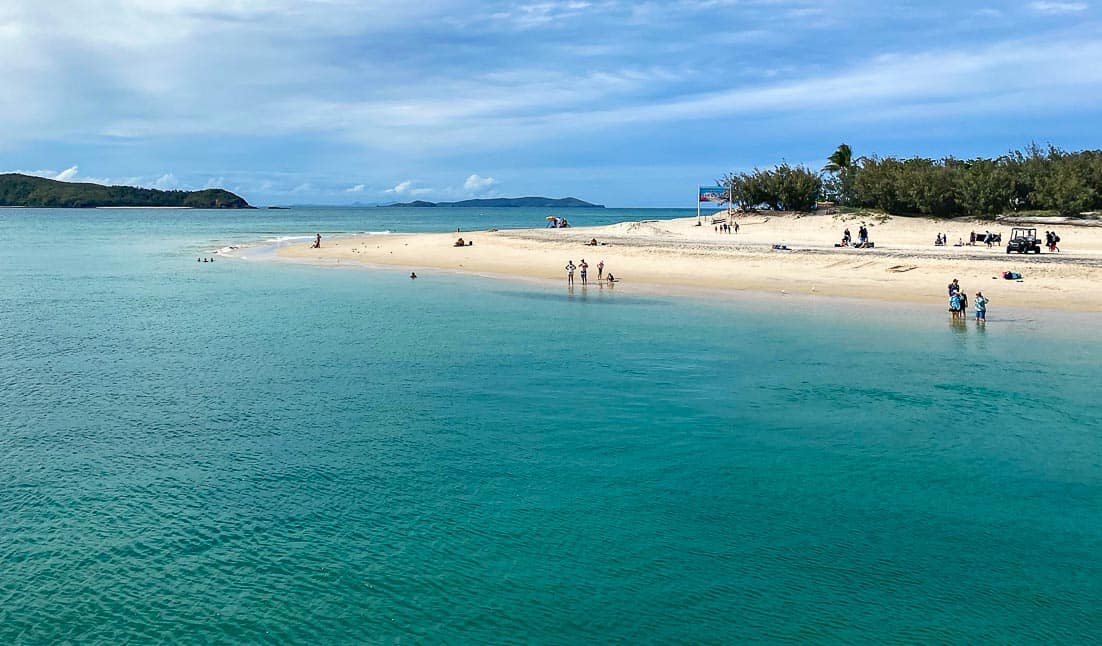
[[249, 452]]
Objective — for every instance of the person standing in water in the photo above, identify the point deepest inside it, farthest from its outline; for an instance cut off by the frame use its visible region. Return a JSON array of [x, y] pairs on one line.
[[600, 269], [981, 308], [584, 266], [570, 272]]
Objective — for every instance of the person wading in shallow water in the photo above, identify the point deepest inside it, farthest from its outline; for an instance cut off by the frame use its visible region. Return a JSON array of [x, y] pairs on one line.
[[981, 307], [584, 266], [570, 272]]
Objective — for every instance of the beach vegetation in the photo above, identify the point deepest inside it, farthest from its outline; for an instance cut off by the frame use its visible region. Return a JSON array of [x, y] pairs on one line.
[[1048, 180], [1034, 180], [839, 176], [782, 188]]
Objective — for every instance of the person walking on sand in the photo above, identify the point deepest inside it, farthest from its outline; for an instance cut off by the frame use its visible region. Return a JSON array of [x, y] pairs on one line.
[[600, 269], [570, 272], [981, 308], [317, 241]]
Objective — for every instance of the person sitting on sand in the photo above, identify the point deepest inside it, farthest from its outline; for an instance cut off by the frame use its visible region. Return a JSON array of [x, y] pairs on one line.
[[611, 278], [460, 243]]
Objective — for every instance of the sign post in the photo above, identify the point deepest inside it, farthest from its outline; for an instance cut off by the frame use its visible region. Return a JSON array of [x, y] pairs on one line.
[[714, 194]]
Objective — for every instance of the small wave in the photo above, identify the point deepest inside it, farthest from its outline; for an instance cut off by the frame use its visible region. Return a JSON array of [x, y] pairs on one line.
[[289, 238], [375, 233], [230, 249]]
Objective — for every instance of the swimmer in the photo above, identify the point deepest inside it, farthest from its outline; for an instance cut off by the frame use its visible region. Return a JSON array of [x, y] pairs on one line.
[[413, 275]]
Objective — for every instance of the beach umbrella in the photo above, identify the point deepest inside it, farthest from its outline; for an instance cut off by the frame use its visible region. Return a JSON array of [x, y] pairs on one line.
[[550, 217]]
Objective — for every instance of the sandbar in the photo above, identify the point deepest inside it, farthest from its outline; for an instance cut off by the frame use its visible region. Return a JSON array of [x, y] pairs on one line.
[[904, 266]]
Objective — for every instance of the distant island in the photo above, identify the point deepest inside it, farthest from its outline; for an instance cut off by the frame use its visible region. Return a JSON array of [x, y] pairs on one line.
[[530, 202], [39, 192]]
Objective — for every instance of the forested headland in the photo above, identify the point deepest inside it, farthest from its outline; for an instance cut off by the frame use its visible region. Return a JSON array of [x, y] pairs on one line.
[[30, 191], [1033, 180]]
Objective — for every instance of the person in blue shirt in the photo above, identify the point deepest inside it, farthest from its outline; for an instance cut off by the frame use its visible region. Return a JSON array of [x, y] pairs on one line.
[[981, 307]]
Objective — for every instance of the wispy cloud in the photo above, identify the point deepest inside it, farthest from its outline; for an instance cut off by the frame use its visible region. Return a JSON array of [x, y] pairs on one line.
[[125, 86], [1059, 7]]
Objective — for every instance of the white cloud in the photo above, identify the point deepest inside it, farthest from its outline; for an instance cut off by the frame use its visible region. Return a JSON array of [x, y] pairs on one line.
[[1058, 7], [166, 182], [477, 184], [402, 187], [67, 175], [358, 188]]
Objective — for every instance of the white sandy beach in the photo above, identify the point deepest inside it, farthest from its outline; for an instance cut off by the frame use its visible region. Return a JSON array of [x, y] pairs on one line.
[[904, 266]]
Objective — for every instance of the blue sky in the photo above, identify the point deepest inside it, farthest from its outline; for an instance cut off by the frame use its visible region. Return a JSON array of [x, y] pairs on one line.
[[622, 103]]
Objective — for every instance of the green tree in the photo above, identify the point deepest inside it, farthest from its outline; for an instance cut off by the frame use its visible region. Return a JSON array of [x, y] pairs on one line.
[[841, 168]]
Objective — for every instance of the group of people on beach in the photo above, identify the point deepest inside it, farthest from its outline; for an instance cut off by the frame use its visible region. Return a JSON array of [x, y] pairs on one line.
[[723, 227], [583, 268], [958, 303], [987, 238], [862, 238]]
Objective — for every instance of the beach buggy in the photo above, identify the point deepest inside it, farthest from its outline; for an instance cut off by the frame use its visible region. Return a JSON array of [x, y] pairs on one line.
[[1023, 241]]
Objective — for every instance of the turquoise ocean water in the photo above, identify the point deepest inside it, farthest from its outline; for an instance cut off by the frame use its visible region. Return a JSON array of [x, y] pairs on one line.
[[248, 451]]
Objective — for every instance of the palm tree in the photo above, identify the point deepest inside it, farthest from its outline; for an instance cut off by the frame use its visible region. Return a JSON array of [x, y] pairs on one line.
[[841, 161], [840, 187]]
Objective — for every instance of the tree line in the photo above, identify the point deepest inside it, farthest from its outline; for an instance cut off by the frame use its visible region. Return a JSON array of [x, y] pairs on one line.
[[1033, 179]]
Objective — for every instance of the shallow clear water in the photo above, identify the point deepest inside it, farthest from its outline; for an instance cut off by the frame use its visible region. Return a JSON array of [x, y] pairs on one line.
[[249, 451]]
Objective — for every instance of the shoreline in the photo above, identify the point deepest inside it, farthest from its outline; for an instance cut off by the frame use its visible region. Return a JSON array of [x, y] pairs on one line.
[[657, 256]]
